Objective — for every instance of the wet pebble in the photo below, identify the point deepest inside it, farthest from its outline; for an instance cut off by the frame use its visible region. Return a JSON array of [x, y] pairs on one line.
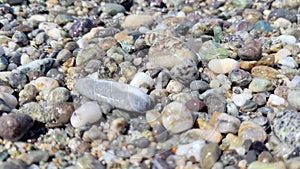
[[240, 77], [15, 126]]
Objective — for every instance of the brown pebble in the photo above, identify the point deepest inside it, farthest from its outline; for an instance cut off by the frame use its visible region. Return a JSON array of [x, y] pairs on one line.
[[15, 126], [264, 72]]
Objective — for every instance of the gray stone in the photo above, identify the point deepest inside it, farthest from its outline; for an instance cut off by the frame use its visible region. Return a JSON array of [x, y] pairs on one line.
[[112, 9], [260, 85], [227, 124], [215, 103], [209, 154], [293, 98]]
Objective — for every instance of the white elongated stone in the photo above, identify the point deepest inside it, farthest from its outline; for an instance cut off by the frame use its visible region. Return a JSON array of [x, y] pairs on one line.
[[122, 96], [87, 113], [191, 150], [177, 118], [223, 65]]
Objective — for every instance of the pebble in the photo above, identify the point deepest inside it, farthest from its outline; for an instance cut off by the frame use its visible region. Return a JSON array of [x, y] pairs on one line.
[[17, 79], [58, 95], [45, 84], [240, 77], [112, 9], [215, 103], [286, 39], [292, 98], [174, 87], [89, 53], [264, 72], [227, 124], [209, 155], [169, 52], [263, 165], [81, 27], [114, 93], [35, 156], [283, 13], [211, 50], [87, 113], [239, 96], [14, 163], [142, 80], [199, 85], [223, 66], [252, 131], [176, 117], [250, 51], [134, 21], [285, 126], [275, 101], [15, 126], [263, 26], [260, 85], [192, 149], [185, 72]]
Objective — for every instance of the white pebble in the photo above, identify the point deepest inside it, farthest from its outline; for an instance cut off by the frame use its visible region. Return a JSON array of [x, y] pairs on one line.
[[289, 62], [275, 100], [223, 65], [87, 113], [240, 99], [142, 80], [191, 150], [177, 118]]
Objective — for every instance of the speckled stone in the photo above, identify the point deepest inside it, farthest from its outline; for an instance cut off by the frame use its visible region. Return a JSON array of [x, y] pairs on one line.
[[286, 127], [112, 8], [240, 77], [87, 54], [264, 72], [15, 126], [58, 95]]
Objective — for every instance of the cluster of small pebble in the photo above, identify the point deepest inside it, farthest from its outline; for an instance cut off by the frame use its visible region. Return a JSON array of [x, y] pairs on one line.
[[149, 84]]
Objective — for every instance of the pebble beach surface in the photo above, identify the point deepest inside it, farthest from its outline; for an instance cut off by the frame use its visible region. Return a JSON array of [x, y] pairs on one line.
[[185, 84]]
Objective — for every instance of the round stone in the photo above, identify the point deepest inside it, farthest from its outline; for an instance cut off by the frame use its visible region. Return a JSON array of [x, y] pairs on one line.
[[252, 131], [260, 85], [250, 51], [177, 118], [15, 126], [223, 65]]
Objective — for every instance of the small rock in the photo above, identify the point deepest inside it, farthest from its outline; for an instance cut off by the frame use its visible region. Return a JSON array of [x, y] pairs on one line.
[[223, 65], [142, 142], [174, 87], [286, 39], [87, 113], [58, 95], [250, 51], [177, 118], [81, 27], [263, 165], [87, 54], [260, 85], [14, 164], [275, 101], [15, 126], [263, 26], [264, 72], [199, 85], [142, 80], [240, 77], [192, 149], [18, 79], [185, 72], [20, 38], [35, 156], [209, 155], [227, 124], [134, 21], [215, 103], [3, 63], [211, 50], [292, 98], [283, 13], [286, 126], [112, 9], [45, 83], [288, 62], [88, 161], [252, 131]]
